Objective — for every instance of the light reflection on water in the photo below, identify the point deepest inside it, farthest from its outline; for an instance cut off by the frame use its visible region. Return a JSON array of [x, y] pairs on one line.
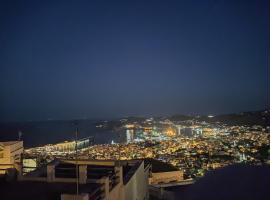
[[40, 133]]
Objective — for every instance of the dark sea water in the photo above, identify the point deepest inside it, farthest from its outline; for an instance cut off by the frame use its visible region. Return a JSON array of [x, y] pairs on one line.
[[40, 133]]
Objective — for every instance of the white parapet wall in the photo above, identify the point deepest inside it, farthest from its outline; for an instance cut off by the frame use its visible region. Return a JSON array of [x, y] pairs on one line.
[[74, 197], [166, 177]]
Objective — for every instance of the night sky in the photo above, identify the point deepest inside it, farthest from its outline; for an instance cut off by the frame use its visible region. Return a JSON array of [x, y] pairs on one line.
[[106, 59]]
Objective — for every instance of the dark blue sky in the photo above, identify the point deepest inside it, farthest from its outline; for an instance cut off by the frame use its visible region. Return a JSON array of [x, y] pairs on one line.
[[103, 59]]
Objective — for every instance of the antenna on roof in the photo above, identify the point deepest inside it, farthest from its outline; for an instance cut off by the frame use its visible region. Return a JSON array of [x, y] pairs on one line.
[[76, 158], [19, 135]]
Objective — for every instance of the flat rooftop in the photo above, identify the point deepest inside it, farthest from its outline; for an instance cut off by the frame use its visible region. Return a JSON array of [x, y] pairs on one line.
[[8, 143]]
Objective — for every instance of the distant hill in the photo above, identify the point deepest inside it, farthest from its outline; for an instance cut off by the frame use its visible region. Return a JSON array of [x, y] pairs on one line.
[[180, 117], [244, 118], [261, 117]]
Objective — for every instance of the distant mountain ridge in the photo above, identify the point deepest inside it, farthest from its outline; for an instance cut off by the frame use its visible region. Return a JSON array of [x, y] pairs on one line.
[[261, 117]]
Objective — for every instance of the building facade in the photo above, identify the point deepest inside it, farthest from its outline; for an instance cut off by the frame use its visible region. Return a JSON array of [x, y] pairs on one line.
[[10, 154]]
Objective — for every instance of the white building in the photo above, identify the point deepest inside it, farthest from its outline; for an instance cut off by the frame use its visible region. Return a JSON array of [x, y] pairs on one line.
[[130, 135], [10, 154], [108, 180]]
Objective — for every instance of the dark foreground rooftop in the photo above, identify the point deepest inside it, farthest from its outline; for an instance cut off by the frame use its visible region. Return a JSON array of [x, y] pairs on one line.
[[235, 182], [29, 190]]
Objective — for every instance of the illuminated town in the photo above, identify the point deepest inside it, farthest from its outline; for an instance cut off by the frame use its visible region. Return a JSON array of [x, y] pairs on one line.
[[191, 146], [134, 100]]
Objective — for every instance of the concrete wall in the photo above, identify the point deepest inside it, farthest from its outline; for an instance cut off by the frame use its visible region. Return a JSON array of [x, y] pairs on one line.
[[166, 177], [89, 162], [115, 193], [137, 187]]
